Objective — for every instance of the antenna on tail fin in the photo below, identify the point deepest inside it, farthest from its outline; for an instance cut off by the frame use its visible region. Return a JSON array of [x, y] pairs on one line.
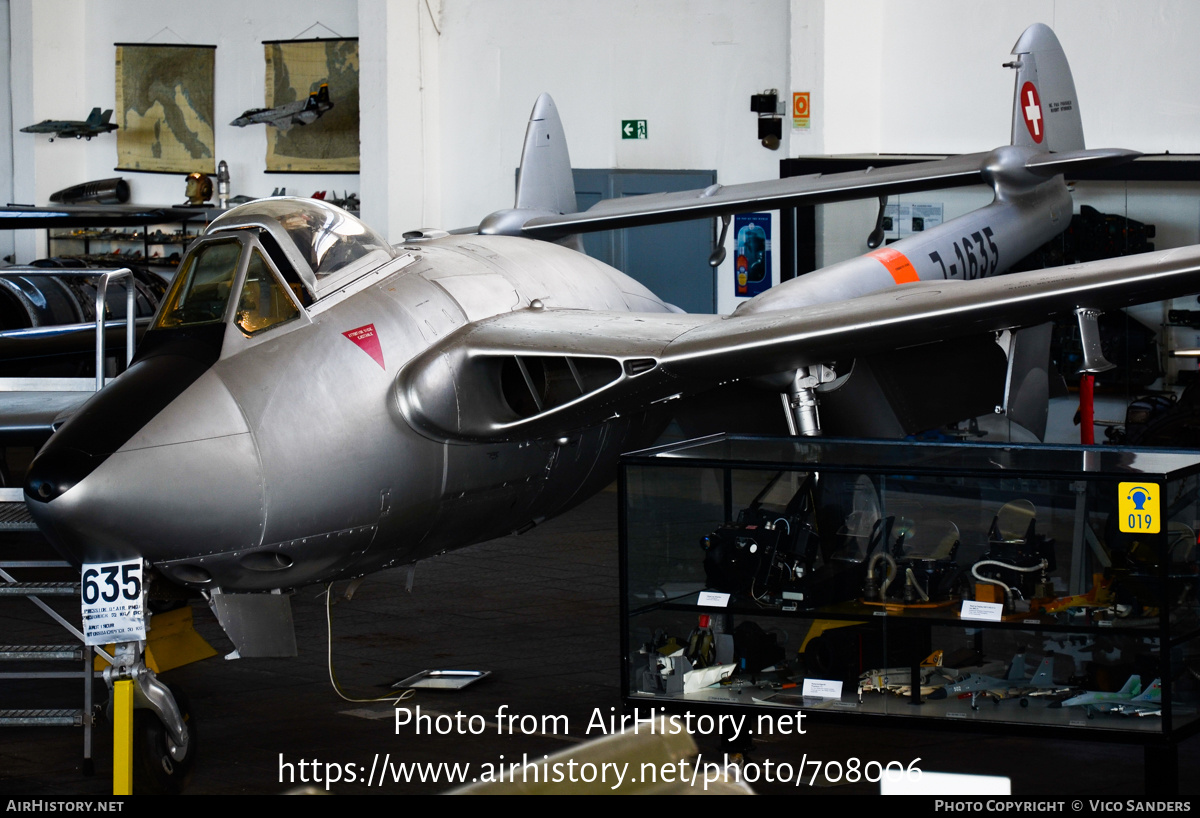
[[1045, 108]]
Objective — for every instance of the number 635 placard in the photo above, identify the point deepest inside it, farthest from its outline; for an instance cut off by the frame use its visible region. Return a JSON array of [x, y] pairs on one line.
[[112, 602]]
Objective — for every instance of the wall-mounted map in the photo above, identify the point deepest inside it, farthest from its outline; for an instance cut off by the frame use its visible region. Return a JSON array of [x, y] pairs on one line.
[[296, 69], [165, 108]]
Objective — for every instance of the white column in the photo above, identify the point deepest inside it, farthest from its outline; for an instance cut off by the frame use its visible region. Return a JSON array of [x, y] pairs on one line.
[[48, 45], [853, 46], [398, 86]]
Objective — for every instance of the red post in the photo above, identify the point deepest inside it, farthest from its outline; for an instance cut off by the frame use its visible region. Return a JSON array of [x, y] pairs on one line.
[[1087, 414]]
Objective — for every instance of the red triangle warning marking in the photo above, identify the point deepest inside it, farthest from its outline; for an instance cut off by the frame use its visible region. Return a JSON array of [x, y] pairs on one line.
[[368, 342]]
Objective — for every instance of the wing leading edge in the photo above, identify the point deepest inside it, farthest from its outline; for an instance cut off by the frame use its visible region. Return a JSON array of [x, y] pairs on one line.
[[543, 373], [955, 171]]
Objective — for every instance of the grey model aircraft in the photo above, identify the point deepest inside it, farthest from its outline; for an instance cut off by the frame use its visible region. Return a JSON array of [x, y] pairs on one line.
[[1130, 700], [1013, 686], [97, 123], [283, 117], [458, 387]]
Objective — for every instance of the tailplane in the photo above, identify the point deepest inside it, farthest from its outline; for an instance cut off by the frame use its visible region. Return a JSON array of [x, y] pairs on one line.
[[1045, 107]]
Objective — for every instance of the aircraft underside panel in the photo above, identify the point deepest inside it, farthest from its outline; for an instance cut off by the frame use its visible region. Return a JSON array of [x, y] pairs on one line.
[[912, 390]]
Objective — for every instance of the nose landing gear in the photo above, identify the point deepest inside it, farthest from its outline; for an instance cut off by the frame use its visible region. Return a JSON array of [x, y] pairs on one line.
[[164, 737]]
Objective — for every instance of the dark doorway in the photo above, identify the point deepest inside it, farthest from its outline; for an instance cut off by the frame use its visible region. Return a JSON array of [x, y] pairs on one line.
[[670, 259]]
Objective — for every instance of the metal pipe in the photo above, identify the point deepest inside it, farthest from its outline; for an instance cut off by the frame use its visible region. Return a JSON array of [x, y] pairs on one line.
[[103, 277]]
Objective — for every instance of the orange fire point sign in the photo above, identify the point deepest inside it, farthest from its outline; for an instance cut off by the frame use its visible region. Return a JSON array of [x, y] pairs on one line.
[[800, 100]]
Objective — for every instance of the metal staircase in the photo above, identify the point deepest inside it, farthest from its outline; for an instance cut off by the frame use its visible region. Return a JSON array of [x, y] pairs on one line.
[[21, 662], [32, 662]]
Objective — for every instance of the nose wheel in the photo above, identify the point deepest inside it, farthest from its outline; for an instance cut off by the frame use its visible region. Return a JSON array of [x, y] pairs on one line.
[[160, 766], [164, 733]]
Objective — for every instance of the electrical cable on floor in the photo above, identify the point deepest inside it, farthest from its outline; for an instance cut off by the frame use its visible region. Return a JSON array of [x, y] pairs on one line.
[[337, 688]]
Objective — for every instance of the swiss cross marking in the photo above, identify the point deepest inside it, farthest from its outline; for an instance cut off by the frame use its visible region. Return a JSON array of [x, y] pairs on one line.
[[1032, 111]]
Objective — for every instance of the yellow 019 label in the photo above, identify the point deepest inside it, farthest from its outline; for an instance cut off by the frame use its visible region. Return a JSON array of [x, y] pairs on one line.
[[1137, 508]]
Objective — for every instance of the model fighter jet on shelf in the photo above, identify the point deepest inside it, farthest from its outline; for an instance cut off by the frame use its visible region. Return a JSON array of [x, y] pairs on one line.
[[283, 117], [96, 124], [456, 388]]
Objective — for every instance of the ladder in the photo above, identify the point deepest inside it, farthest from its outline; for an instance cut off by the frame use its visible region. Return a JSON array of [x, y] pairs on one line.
[[29, 661]]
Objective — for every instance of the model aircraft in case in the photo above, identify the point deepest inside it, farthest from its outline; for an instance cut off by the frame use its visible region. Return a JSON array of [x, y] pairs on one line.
[[458, 387], [1130, 700], [1013, 686]]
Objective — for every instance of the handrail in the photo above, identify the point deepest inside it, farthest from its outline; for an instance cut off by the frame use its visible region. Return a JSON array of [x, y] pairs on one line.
[[104, 276]]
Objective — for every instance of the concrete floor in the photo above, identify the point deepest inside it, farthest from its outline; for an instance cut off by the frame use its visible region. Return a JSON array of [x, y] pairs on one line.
[[540, 612]]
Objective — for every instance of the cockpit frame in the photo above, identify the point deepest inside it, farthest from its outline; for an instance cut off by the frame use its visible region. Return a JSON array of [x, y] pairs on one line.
[[327, 246], [288, 305]]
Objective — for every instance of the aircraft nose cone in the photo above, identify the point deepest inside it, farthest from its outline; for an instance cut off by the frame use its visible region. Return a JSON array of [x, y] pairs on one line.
[[160, 464], [58, 472], [107, 421]]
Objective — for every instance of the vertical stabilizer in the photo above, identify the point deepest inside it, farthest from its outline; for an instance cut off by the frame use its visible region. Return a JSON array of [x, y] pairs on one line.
[[545, 182], [1045, 108], [1153, 693], [1133, 686], [1045, 674]]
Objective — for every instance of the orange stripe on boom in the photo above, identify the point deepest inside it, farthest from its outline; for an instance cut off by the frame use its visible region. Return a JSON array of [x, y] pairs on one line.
[[900, 267]]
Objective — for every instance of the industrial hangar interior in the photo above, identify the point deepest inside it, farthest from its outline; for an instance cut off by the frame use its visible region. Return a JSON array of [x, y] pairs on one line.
[[400, 396]]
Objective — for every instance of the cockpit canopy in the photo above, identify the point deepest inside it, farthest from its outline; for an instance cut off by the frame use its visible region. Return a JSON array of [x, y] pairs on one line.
[[208, 280], [327, 246]]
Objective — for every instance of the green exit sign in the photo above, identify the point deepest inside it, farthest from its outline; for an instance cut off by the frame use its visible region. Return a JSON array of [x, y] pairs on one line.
[[633, 129]]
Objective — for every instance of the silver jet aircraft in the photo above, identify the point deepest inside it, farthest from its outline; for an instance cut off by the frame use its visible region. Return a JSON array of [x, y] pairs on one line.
[[456, 388]]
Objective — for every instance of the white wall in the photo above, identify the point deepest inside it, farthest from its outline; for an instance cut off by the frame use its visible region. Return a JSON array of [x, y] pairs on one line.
[[939, 87], [447, 85], [6, 129], [688, 67], [400, 124], [65, 49]]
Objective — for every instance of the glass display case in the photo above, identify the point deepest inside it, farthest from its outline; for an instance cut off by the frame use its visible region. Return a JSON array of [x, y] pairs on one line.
[[1014, 588], [156, 245]]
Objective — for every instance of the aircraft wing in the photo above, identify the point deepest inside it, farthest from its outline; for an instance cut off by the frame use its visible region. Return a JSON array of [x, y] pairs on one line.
[[546, 372], [657, 208]]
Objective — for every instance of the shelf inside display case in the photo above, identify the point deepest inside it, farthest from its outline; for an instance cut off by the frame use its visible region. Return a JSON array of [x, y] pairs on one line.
[[1024, 588], [160, 245]]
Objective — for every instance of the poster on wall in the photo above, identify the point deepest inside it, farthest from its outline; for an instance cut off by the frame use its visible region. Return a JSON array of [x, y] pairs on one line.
[[296, 69], [165, 108], [752, 262], [904, 219]]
